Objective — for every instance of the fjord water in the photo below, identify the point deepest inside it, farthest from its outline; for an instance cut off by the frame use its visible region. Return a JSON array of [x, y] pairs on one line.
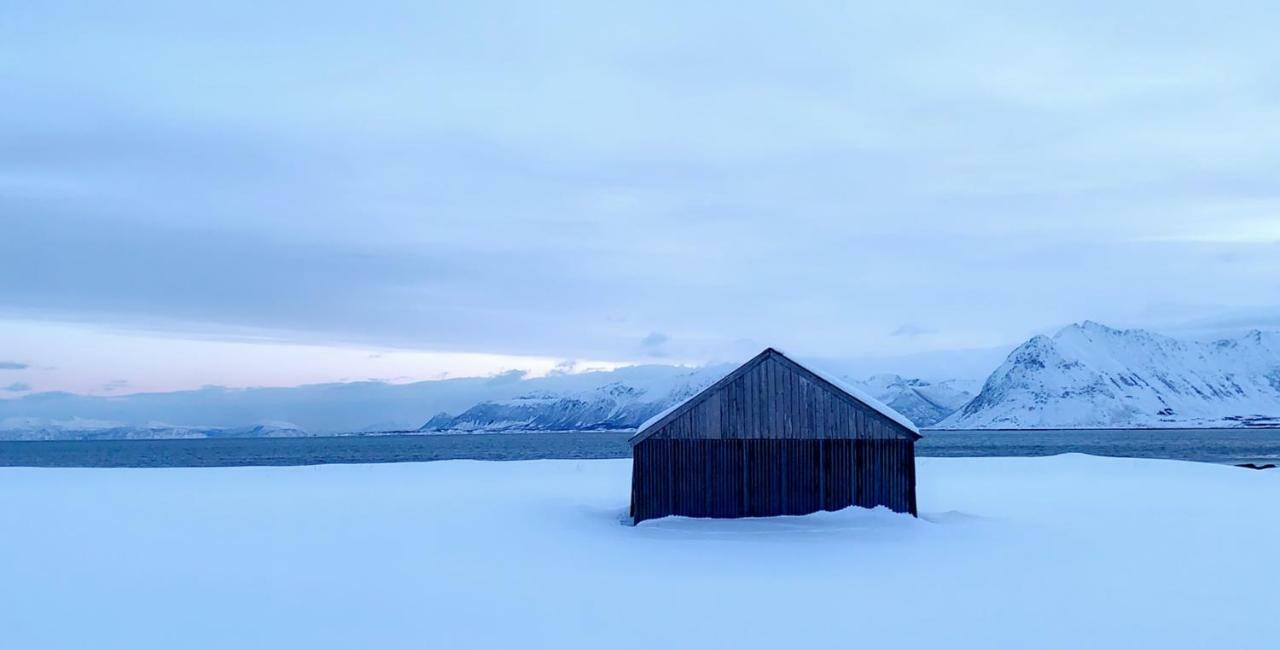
[[1207, 445]]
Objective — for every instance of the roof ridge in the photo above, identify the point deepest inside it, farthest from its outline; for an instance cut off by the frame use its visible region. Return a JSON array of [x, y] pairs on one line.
[[840, 386]]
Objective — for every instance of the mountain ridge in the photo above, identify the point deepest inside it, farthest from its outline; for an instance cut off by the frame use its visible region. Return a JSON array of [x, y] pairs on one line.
[[613, 407], [1089, 375]]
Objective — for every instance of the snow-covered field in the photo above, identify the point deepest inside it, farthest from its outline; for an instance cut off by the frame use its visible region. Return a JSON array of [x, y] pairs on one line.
[[1069, 551]]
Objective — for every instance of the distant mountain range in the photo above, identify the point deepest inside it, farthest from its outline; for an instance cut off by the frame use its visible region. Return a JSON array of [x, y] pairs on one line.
[[924, 403], [591, 401], [614, 403], [622, 406], [80, 429], [1085, 376], [345, 408]]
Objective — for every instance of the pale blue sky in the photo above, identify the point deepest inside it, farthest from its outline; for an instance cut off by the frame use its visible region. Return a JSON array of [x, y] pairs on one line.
[[466, 187]]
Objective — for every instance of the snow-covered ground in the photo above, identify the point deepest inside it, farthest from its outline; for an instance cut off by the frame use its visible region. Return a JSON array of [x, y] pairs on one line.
[[1069, 551]]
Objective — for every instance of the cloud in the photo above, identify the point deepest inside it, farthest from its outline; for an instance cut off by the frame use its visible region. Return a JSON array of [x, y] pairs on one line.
[[507, 377], [13, 365], [654, 339], [17, 387], [655, 343], [909, 330], [833, 203]]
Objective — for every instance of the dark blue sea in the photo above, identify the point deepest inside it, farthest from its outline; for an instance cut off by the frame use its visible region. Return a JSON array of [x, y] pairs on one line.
[[1207, 445]]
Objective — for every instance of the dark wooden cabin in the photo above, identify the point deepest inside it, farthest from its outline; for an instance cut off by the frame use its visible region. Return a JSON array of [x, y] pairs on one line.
[[773, 438]]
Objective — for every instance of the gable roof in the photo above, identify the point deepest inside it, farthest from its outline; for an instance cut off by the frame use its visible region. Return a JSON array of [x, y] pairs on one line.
[[837, 385]]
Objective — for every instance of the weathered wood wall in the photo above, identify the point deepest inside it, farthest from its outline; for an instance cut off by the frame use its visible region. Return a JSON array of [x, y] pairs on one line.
[[771, 438], [764, 477]]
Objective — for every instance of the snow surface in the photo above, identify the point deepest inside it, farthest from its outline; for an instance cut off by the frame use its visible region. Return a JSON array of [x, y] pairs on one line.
[[1067, 551]]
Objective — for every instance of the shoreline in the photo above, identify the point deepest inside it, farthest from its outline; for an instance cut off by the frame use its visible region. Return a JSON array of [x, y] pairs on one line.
[[1219, 446], [427, 434]]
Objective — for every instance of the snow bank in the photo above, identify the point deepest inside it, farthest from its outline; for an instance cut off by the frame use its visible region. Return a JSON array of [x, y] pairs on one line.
[[1068, 551]]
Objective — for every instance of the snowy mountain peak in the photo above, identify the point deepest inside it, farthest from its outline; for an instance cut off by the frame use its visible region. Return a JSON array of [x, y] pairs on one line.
[[1092, 327], [1092, 375], [923, 402]]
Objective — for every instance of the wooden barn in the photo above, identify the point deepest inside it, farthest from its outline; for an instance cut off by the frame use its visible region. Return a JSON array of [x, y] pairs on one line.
[[773, 438]]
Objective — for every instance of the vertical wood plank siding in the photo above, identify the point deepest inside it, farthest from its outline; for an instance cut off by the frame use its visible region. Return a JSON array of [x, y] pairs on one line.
[[765, 477], [772, 439]]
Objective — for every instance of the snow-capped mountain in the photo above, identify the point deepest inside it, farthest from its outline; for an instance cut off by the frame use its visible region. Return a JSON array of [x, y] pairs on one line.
[[82, 429], [616, 405], [1092, 376], [923, 403], [621, 406]]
